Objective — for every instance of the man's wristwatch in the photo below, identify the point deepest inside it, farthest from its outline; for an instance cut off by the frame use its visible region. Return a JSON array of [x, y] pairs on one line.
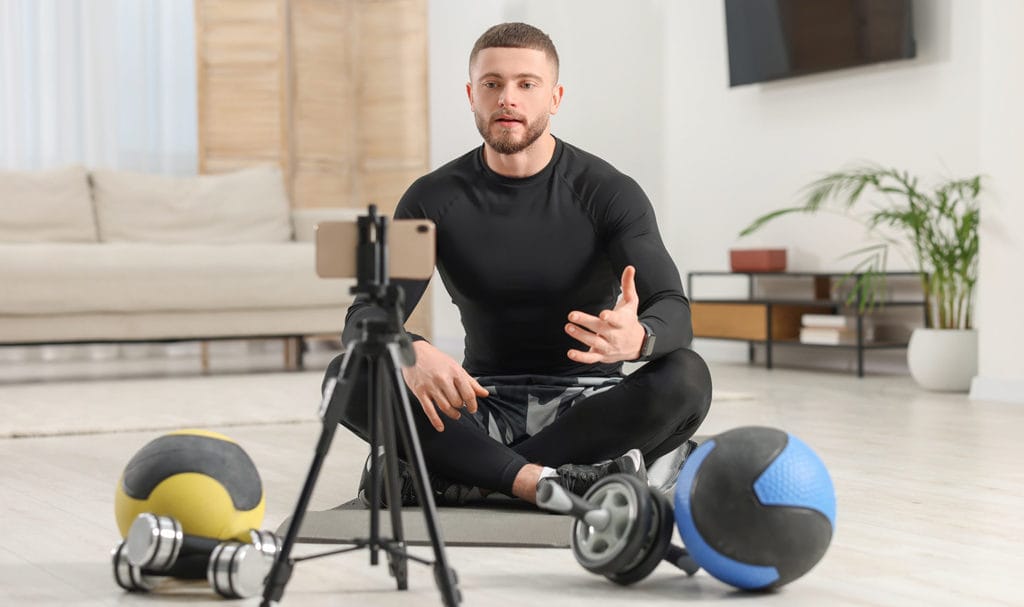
[[647, 347]]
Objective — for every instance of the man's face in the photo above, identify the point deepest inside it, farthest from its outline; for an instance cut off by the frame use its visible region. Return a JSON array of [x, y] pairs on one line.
[[512, 92]]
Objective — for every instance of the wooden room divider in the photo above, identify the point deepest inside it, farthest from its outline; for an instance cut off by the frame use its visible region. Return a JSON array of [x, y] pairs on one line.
[[334, 91]]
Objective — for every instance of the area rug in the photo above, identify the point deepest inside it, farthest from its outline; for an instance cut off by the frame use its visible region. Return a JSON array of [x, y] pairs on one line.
[[153, 404], [128, 405]]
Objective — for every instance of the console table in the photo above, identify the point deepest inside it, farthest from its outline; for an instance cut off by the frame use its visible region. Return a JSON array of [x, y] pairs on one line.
[[775, 321]]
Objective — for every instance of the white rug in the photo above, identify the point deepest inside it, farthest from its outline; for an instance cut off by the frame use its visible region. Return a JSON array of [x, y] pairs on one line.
[[125, 405], [129, 405]]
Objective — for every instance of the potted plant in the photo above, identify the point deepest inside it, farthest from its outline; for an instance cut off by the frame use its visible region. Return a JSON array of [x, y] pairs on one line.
[[937, 230]]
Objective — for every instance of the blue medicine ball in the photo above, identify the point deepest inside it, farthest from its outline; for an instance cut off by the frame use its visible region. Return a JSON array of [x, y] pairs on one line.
[[755, 507]]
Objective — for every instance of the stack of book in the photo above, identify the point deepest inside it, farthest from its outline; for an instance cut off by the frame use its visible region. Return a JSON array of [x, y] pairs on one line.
[[832, 329]]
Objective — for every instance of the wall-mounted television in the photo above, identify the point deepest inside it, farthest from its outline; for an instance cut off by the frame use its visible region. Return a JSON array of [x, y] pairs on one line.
[[773, 39]]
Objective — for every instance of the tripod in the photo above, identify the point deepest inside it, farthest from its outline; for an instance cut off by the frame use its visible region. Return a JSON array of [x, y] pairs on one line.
[[382, 350]]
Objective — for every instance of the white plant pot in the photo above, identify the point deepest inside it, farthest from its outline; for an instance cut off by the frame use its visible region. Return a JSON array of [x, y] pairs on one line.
[[944, 360]]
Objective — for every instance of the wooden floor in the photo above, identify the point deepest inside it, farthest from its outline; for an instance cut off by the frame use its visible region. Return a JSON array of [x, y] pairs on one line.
[[930, 494]]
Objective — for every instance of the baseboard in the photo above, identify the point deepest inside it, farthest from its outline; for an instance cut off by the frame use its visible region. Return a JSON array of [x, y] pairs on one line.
[[997, 389]]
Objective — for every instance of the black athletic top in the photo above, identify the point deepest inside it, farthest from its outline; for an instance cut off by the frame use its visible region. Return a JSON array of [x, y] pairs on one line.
[[517, 255]]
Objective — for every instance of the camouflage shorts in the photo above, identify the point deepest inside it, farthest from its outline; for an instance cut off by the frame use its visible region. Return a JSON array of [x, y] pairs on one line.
[[520, 406]]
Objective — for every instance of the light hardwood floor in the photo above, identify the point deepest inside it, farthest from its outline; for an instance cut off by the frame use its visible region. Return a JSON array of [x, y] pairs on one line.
[[930, 497]]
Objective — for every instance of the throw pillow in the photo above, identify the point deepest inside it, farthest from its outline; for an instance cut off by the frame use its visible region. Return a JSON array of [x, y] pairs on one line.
[[46, 206], [249, 205]]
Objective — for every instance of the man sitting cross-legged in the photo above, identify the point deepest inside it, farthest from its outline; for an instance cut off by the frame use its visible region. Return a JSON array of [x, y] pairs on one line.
[[555, 262]]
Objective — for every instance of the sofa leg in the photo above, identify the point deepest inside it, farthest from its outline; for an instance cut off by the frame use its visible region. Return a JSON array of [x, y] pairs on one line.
[[204, 357], [293, 351]]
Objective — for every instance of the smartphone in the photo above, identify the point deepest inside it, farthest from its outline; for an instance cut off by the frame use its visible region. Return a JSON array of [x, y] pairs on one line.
[[411, 248]]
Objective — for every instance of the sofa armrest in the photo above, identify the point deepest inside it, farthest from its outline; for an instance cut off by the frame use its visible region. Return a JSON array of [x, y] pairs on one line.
[[305, 220]]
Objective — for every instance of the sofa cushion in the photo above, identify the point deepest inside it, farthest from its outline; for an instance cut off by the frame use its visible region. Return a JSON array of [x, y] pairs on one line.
[[122, 326], [244, 206], [122, 277], [40, 206]]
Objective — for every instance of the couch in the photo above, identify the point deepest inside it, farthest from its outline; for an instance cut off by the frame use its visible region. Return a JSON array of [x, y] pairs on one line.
[[118, 256]]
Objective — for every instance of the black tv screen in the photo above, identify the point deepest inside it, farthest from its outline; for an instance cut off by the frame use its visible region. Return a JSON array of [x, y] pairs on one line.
[[773, 39]]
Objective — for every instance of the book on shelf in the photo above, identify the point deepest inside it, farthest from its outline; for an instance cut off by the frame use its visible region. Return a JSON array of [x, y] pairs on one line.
[[831, 321], [833, 335]]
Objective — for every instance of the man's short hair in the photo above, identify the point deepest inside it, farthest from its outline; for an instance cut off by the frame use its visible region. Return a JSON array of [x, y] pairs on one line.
[[515, 35]]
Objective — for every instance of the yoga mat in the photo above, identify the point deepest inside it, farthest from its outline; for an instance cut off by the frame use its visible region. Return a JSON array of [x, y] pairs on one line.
[[504, 524], [498, 521]]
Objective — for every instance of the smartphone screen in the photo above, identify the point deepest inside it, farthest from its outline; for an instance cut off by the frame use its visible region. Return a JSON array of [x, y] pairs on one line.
[[411, 248]]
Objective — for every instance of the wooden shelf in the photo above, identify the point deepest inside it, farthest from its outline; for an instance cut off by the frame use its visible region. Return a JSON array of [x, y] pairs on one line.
[[749, 320], [771, 321], [796, 274], [871, 345], [820, 303]]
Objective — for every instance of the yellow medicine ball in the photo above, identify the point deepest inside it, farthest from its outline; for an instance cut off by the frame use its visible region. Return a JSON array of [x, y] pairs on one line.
[[203, 479]]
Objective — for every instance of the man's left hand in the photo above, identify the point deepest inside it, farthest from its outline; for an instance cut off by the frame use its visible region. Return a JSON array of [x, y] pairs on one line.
[[614, 335]]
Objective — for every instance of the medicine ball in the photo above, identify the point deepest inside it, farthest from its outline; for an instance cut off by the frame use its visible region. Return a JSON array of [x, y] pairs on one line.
[[755, 507], [203, 479]]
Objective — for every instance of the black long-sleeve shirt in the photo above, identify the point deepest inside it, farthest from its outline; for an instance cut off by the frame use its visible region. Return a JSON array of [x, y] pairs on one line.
[[518, 254]]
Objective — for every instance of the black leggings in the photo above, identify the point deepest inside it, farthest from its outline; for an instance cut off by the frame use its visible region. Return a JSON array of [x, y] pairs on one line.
[[655, 408]]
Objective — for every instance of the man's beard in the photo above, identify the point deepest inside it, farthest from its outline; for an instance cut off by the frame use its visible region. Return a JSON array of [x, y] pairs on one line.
[[505, 142]]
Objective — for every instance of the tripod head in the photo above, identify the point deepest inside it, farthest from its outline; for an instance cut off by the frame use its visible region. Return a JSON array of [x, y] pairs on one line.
[[372, 254], [373, 281]]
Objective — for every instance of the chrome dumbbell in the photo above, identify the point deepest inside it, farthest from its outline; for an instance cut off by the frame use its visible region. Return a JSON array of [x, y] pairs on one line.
[[157, 546], [147, 556], [237, 570], [623, 528], [128, 576]]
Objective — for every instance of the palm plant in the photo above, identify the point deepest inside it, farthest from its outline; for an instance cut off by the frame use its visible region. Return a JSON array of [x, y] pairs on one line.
[[939, 227]]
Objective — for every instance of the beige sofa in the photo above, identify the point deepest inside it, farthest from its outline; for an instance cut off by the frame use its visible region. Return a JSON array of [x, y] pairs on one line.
[[119, 256]]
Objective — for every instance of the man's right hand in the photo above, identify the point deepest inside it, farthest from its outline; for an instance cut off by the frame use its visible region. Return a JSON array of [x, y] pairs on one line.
[[442, 384]]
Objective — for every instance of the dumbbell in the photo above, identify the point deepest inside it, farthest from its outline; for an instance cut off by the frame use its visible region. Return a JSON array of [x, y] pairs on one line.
[[157, 546], [128, 576], [623, 528], [153, 551]]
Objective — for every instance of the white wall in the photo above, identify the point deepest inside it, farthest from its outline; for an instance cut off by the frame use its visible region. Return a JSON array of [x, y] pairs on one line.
[[1000, 289], [737, 153], [647, 89], [740, 152]]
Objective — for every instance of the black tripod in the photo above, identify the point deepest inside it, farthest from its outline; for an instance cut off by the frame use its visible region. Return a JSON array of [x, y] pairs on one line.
[[384, 348]]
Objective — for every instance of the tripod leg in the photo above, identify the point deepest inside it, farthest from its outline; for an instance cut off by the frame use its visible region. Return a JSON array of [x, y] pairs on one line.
[[444, 575], [397, 561], [373, 398], [335, 398]]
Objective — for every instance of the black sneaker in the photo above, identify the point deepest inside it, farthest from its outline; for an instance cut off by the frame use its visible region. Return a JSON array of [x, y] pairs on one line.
[[406, 488], [450, 493], [446, 493], [664, 471], [579, 478]]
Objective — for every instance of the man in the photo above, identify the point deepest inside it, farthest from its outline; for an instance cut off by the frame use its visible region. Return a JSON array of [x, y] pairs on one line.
[[555, 262]]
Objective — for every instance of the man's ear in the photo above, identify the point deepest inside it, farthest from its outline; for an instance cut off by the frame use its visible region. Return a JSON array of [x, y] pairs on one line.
[[469, 95], [556, 98]]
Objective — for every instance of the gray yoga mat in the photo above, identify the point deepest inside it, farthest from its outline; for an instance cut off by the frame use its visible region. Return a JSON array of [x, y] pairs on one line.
[[498, 521], [504, 523]]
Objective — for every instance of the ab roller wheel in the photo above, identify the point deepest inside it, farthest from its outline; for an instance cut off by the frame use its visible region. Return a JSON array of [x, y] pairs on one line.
[[622, 530], [655, 547], [617, 544]]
